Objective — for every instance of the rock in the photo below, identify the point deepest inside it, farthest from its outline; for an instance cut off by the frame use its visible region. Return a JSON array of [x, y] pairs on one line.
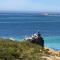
[[52, 52]]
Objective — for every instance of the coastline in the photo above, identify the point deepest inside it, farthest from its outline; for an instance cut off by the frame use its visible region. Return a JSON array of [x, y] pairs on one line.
[[47, 40], [48, 53]]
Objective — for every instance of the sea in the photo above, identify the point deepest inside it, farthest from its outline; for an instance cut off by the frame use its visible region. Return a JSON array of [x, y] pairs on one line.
[[19, 25]]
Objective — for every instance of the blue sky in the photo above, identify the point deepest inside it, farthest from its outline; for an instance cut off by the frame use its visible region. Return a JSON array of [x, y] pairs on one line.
[[30, 5]]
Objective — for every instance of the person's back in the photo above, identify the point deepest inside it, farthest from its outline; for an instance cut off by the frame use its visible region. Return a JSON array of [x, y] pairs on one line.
[[40, 40]]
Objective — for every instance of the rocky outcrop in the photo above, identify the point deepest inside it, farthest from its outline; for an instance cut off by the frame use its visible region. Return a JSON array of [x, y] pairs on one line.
[[52, 54]]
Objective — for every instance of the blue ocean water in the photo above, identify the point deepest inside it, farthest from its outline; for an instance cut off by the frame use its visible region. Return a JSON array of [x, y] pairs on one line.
[[19, 25]]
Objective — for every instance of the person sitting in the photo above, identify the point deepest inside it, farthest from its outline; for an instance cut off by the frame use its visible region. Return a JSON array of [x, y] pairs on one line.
[[36, 38]]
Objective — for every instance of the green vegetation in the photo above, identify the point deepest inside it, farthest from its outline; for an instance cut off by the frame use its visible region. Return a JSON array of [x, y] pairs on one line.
[[20, 50]]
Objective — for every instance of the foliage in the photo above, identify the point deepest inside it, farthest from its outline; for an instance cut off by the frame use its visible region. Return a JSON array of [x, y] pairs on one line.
[[19, 50]]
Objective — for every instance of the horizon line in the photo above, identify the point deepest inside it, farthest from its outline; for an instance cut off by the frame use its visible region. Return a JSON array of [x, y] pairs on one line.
[[29, 11]]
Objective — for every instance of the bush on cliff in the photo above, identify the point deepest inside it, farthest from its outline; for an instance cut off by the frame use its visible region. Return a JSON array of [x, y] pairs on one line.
[[23, 50]]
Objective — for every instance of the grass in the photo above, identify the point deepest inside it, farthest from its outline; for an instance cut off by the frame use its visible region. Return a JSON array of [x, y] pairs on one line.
[[20, 50]]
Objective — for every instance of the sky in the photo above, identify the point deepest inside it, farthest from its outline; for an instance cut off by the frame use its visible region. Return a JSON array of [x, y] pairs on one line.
[[30, 5]]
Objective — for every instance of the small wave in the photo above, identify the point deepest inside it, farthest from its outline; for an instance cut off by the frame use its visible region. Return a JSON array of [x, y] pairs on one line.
[[12, 39]]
